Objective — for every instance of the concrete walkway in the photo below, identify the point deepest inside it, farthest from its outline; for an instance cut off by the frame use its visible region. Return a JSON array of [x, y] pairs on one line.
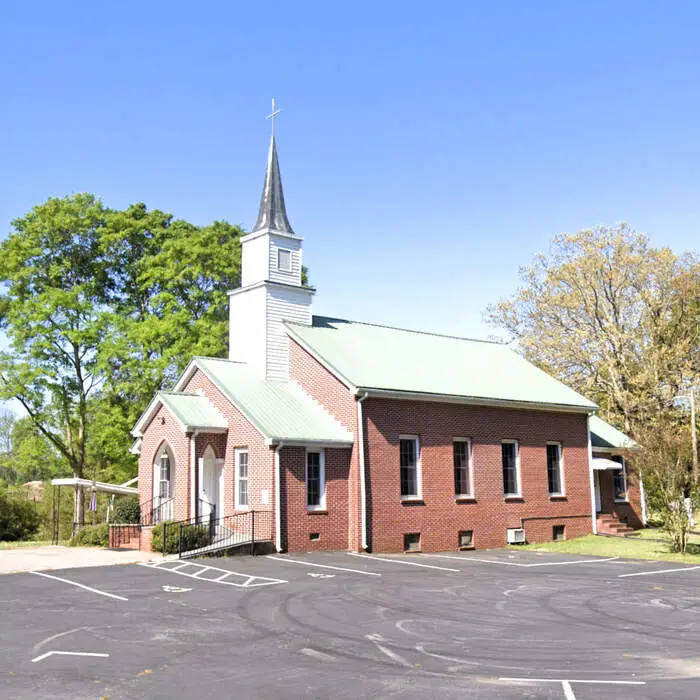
[[59, 557]]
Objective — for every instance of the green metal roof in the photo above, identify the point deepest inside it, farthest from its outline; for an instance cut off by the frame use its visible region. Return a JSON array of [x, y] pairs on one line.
[[368, 356], [280, 410], [604, 435], [192, 410]]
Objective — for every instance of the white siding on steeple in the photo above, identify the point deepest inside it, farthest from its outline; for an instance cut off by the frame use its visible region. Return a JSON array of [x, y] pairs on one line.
[[248, 328], [283, 304], [294, 246], [255, 257], [270, 293]]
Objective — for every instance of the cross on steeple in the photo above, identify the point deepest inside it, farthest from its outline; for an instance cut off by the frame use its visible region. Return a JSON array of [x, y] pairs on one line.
[[272, 213], [273, 115]]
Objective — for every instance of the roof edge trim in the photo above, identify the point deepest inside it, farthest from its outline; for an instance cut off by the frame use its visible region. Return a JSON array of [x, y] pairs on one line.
[[147, 416], [320, 359], [195, 364], [475, 400], [316, 443]]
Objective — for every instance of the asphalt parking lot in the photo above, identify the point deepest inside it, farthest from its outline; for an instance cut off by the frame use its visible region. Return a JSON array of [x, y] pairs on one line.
[[498, 624]]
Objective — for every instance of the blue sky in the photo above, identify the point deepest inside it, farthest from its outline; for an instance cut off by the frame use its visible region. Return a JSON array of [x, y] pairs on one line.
[[427, 149]]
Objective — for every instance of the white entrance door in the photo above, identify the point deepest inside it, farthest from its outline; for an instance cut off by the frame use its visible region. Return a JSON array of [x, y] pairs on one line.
[[596, 488], [211, 485]]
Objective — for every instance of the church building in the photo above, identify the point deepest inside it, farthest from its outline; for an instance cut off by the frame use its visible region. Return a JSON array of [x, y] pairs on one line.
[[357, 436]]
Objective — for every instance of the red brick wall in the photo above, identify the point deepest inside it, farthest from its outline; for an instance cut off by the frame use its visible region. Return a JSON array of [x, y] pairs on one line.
[[321, 385], [330, 524], [241, 434], [165, 428], [439, 517]]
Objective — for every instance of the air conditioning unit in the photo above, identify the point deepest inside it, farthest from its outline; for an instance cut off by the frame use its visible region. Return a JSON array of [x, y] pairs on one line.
[[516, 535]]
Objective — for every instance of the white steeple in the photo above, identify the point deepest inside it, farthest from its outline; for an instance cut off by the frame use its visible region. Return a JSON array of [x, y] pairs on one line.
[[271, 289]]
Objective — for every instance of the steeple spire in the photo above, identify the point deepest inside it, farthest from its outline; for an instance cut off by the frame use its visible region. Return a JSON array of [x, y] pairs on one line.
[[272, 213]]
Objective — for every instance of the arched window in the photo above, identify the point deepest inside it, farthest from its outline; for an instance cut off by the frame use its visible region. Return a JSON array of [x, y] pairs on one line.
[[163, 474]]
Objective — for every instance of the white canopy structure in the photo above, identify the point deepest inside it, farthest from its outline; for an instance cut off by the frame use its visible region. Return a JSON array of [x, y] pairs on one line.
[[602, 464], [98, 486], [93, 487]]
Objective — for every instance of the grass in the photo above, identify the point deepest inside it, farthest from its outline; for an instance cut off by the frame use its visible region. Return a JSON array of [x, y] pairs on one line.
[[27, 543], [644, 544]]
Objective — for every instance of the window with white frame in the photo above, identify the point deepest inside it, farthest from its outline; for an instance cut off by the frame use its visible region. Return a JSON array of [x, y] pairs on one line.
[[555, 475], [164, 488], [509, 461], [409, 460], [241, 478], [284, 260], [620, 480], [315, 480], [462, 457]]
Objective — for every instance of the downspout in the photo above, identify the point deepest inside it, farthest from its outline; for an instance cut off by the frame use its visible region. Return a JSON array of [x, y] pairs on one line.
[[193, 469], [363, 485], [594, 520], [278, 500], [642, 499]]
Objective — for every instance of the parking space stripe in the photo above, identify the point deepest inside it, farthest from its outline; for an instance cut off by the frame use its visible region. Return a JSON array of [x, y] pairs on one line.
[[79, 585], [323, 566], [523, 566], [250, 581], [402, 561], [662, 571]]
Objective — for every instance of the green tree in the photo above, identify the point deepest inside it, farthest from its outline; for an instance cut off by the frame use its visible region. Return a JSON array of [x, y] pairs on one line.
[[612, 317], [33, 457], [664, 463], [169, 300], [102, 308], [51, 308]]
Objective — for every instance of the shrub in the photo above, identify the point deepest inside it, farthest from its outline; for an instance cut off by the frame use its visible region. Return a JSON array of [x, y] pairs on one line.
[[127, 510], [19, 518], [91, 536], [193, 537]]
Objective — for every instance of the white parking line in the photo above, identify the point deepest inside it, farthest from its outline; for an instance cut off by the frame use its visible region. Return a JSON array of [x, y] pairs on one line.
[[661, 571], [314, 654], [376, 639], [69, 653], [523, 566], [249, 582], [566, 683], [323, 566], [79, 585], [402, 561]]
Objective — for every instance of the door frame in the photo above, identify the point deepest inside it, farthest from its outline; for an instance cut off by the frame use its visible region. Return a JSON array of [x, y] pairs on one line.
[[209, 462], [596, 491]]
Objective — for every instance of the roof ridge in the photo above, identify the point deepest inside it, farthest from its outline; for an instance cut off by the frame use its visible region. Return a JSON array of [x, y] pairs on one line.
[[219, 359], [405, 330]]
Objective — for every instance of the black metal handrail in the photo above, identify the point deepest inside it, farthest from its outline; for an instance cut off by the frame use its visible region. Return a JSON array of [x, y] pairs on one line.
[[208, 534], [156, 511]]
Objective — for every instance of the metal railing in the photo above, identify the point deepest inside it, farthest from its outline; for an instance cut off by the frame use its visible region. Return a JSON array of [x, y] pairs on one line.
[[208, 534], [156, 511]]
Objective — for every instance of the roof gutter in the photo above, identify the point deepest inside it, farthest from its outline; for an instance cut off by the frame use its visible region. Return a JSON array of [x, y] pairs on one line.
[[271, 442], [474, 400], [278, 500], [193, 468], [591, 482], [363, 483]]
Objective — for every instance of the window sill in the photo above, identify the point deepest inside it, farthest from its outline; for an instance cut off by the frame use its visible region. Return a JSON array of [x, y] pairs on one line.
[[467, 549], [412, 501], [557, 497], [622, 500], [465, 499], [316, 511]]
